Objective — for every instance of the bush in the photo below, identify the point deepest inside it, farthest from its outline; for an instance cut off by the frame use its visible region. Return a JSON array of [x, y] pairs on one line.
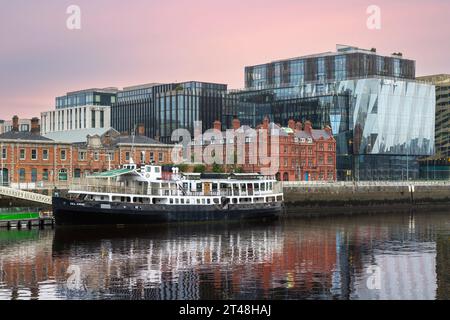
[[183, 167], [217, 168], [199, 168]]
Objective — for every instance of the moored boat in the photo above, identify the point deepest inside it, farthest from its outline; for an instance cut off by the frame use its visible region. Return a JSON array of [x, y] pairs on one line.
[[147, 195]]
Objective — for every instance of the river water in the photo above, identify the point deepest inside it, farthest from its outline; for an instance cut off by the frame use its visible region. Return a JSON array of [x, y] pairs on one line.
[[395, 256]]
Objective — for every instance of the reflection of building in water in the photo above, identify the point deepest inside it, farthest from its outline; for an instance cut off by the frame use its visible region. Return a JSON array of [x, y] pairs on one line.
[[224, 265], [443, 266], [302, 259], [400, 275], [26, 265]]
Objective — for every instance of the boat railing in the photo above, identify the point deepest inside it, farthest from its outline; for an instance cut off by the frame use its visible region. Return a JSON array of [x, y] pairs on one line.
[[143, 190]]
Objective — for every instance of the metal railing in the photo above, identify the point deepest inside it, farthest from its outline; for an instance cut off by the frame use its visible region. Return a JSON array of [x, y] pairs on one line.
[[306, 184]]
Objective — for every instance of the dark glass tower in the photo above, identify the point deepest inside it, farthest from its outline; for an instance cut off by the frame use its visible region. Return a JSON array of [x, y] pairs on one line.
[[163, 108]]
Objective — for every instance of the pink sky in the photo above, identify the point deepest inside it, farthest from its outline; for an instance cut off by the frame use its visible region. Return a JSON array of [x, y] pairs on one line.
[[124, 43]]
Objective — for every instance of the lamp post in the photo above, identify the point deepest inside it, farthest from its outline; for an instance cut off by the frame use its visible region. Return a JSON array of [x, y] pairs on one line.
[[1, 167]]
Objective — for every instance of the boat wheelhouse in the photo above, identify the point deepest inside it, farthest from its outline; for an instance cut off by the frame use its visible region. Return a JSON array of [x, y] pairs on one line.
[[150, 193]]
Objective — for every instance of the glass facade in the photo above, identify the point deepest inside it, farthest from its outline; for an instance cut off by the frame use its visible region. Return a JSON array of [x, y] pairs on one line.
[[382, 126], [95, 97], [165, 108], [344, 64]]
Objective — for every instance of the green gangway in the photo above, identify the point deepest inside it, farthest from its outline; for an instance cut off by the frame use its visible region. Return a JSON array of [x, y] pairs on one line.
[[11, 214]]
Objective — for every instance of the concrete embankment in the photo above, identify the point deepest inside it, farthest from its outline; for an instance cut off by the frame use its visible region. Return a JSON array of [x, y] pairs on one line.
[[348, 198]]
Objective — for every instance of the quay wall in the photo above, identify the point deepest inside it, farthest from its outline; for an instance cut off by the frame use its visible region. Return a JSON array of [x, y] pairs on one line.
[[343, 199]]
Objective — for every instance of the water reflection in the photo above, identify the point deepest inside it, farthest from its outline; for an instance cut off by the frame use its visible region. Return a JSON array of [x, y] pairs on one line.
[[381, 257]]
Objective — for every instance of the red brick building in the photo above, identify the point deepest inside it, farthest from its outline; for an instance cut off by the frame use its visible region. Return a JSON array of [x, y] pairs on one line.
[[30, 160], [304, 154]]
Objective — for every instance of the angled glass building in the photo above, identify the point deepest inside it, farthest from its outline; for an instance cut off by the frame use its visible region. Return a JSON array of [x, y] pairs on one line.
[[163, 108], [382, 118]]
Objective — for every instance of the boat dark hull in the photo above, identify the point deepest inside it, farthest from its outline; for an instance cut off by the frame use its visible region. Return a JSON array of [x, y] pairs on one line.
[[69, 212]]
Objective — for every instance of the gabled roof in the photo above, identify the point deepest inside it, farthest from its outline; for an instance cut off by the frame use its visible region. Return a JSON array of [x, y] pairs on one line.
[[136, 140], [315, 134], [76, 136], [26, 136]]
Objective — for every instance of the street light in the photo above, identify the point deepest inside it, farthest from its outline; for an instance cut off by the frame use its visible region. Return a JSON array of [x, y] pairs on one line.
[[2, 172]]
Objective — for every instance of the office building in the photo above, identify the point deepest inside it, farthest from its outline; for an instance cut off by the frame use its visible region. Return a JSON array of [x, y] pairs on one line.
[[75, 119], [163, 108], [442, 84], [381, 116], [94, 97]]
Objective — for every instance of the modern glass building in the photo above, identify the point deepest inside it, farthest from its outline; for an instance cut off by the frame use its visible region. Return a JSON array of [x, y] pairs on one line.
[[346, 63], [163, 108], [88, 97], [382, 118]]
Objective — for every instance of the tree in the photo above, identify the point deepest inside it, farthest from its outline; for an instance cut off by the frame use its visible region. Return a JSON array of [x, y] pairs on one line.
[[199, 168], [217, 168], [183, 167]]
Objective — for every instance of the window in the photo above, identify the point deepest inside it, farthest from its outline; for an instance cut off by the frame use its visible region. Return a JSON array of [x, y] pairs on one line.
[[82, 156], [97, 98], [143, 157], [22, 154], [63, 155], [45, 175], [127, 156], [45, 154], [77, 173], [330, 160], [96, 156], [62, 176], [161, 157], [93, 120], [152, 157], [33, 175], [4, 153], [22, 175], [110, 156], [33, 154]]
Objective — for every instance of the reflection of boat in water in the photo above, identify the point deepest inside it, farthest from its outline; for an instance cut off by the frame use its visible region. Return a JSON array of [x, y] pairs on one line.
[[142, 196]]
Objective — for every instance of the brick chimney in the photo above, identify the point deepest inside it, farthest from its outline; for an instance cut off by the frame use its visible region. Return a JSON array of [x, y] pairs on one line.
[[35, 127], [15, 124], [298, 126], [266, 123], [291, 124], [308, 127], [236, 123], [217, 125], [141, 130]]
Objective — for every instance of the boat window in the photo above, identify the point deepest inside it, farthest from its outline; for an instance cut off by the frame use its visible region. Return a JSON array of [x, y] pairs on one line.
[[235, 200], [203, 201], [188, 201], [182, 201], [208, 201], [177, 201], [171, 201], [216, 201], [198, 201], [263, 187]]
